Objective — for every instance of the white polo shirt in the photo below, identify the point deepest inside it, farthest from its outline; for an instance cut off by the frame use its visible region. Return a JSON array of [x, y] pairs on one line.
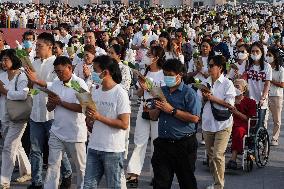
[[68, 126], [224, 89]]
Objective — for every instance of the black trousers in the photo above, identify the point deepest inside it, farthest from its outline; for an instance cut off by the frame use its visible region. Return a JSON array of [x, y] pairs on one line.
[[174, 157]]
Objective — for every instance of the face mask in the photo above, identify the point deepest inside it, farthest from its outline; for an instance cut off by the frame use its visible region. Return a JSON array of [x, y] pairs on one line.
[[170, 81], [276, 35], [96, 78], [255, 57], [216, 40], [242, 56], [27, 44], [56, 37], [247, 39], [146, 27], [147, 60], [269, 59], [238, 92]]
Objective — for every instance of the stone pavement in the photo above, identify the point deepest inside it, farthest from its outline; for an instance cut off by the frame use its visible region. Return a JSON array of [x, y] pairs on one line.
[[270, 177]]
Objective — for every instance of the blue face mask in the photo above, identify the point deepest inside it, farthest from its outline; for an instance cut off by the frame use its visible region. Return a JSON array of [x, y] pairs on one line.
[[216, 40], [27, 44], [96, 78], [170, 81]]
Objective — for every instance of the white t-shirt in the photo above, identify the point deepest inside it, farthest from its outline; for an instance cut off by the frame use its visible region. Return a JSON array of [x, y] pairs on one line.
[[256, 80], [158, 80], [110, 104], [170, 55], [78, 71], [192, 68], [68, 126], [279, 77]]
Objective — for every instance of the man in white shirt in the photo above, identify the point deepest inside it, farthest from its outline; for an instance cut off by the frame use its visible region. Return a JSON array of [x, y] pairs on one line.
[[64, 35], [89, 39], [66, 134], [41, 120]]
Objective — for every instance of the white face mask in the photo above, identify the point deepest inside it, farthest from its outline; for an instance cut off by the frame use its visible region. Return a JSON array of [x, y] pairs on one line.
[[256, 57], [147, 60], [242, 56], [238, 92], [269, 59]]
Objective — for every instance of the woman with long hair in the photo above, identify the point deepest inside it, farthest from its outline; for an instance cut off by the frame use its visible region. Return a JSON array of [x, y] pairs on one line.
[[275, 100], [146, 128], [259, 75]]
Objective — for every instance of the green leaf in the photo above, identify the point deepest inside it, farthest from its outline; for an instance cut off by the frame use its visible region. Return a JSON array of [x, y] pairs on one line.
[[34, 92], [20, 53], [132, 66], [149, 84]]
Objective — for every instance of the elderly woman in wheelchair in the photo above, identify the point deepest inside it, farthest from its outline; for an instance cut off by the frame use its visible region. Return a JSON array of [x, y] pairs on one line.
[[244, 109]]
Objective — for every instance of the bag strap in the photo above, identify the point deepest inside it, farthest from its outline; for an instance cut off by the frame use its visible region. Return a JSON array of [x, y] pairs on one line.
[[16, 82]]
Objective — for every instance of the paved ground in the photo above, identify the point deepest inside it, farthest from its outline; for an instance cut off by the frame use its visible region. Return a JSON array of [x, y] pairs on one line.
[[270, 177]]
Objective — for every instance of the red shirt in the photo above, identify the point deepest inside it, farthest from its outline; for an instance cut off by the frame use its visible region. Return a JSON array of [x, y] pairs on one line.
[[247, 107]]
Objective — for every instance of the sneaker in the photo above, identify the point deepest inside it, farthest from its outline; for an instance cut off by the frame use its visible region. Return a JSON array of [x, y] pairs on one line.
[[132, 182], [152, 182], [66, 183], [33, 186], [202, 142], [4, 186], [232, 165], [210, 186], [24, 178], [274, 142]]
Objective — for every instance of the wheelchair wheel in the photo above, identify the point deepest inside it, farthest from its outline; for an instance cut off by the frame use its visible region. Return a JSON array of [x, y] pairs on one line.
[[262, 147]]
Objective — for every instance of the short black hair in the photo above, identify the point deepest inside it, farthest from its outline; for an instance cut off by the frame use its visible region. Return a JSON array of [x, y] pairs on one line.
[[174, 65], [48, 38], [62, 60], [11, 53], [27, 33], [60, 44], [105, 62], [220, 61]]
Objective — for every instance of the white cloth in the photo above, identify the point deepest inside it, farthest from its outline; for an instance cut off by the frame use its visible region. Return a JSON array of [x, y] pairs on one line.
[[44, 70], [13, 149], [256, 80], [65, 39], [78, 71], [158, 80], [170, 55], [192, 68], [279, 77], [126, 76], [241, 70], [72, 129], [143, 130], [20, 94], [77, 151], [110, 104], [138, 38], [224, 89]]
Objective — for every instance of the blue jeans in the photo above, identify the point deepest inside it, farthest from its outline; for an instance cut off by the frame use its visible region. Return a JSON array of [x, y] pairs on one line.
[[39, 134], [100, 163]]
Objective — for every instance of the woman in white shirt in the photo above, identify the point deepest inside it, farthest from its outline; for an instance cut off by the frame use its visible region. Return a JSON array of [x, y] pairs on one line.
[[110, 120], [259, 75], [199, 70], [144, 129], [84, 69], [117, 52], [217, 130], [275, 100], [12, 131], [241, 64]]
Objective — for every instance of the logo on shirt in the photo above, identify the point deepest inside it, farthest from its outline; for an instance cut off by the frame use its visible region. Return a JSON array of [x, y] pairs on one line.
[[254, 75]]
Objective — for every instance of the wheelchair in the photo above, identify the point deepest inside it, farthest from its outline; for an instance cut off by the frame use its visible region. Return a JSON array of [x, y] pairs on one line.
[[256, 146]]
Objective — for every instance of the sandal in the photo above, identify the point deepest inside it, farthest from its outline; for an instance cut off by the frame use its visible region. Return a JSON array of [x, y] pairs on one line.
[[132, 182]]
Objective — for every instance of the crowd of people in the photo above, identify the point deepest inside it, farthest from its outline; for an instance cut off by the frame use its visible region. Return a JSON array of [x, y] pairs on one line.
[[208, 67]]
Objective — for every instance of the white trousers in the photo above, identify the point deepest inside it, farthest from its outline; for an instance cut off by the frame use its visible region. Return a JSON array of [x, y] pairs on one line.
[[144, 129], [77, 150], [13, 150]]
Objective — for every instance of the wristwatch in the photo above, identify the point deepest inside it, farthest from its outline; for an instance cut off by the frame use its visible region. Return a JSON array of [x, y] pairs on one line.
[[174, 112]]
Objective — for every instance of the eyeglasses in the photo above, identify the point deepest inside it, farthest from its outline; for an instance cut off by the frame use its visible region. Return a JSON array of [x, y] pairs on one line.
[[241, 51]]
